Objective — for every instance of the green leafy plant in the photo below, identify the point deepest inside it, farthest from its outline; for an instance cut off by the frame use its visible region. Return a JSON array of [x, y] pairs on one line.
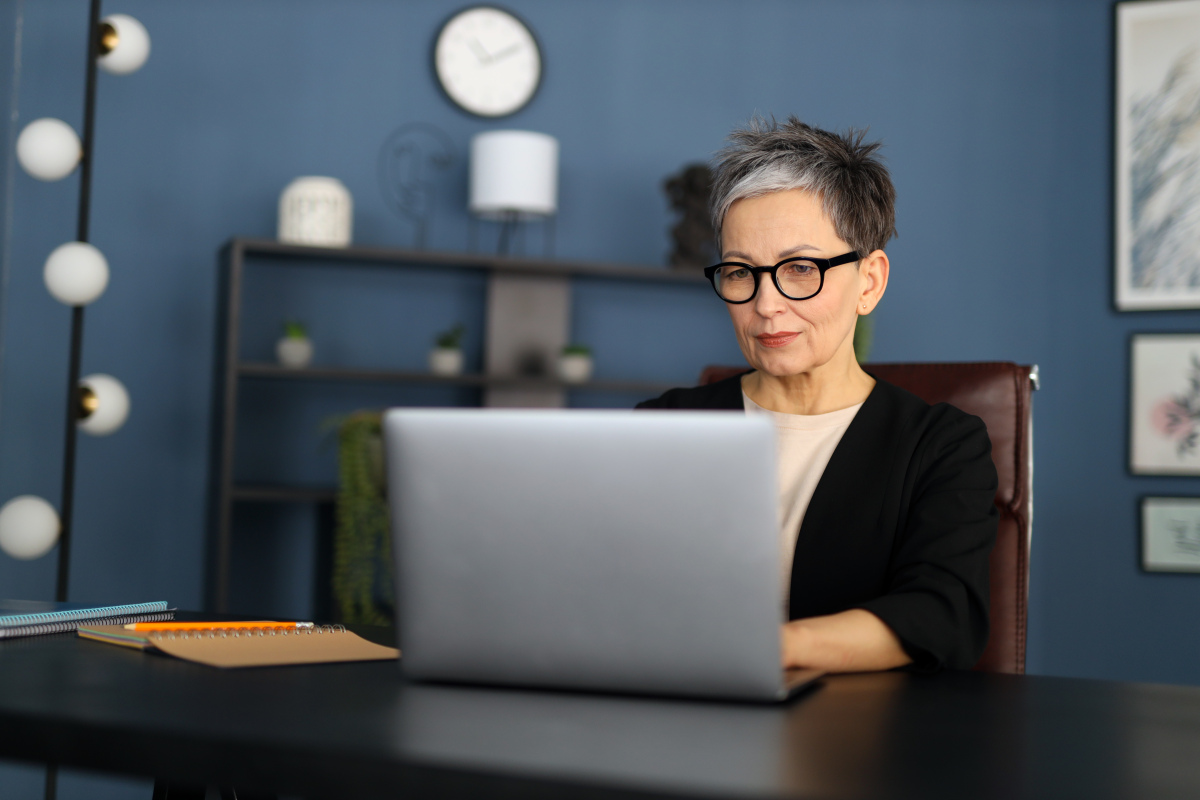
[[451, 339], [293, 329], [577, 350], [362, 546]]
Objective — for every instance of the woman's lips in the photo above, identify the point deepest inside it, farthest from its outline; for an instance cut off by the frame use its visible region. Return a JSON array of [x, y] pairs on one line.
[[777, 339]]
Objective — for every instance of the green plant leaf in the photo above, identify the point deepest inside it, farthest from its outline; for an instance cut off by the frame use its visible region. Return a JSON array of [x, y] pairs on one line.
[[362, 552], [451, 339]]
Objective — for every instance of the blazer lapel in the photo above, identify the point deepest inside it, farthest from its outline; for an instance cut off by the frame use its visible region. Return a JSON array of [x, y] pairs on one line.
[[841, 524]]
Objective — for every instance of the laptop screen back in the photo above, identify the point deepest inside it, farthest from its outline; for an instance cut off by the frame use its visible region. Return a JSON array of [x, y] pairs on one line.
[[587, 549]]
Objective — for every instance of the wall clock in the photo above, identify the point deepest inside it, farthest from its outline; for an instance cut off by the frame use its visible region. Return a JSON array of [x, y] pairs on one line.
[[487, 61]]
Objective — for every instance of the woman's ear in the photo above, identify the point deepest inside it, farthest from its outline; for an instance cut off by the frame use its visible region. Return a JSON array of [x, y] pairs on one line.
[[873, 279]]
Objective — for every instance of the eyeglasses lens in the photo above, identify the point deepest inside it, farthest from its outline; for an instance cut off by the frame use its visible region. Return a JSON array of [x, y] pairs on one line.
[[797, 279]]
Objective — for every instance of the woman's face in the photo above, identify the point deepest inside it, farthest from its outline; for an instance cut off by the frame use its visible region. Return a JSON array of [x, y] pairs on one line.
[[779, 336]]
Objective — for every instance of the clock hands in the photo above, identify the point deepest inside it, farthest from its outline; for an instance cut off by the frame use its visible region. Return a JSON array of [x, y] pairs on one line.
[[486, 58], [506, 52], [480, 52]]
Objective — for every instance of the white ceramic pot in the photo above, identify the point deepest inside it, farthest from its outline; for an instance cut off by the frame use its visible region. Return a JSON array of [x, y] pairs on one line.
[[317, 211], [575, 368], [446, 361], [294, 352]]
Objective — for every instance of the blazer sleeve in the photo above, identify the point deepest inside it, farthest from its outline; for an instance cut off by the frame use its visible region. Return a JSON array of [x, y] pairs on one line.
[[937, 596]]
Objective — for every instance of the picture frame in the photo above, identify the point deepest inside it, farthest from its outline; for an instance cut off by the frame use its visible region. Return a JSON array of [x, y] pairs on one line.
[[1164, 404], [1156, 155], [1170, 534]]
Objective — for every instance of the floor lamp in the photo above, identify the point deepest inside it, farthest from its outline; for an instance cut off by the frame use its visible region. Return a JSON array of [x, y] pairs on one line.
[[76, 274]]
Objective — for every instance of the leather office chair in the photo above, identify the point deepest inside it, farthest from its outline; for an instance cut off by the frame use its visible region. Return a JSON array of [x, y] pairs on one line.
[[999, 393]]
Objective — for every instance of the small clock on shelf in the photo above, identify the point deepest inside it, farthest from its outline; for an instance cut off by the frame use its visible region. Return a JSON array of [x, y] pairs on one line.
[[487, 61]]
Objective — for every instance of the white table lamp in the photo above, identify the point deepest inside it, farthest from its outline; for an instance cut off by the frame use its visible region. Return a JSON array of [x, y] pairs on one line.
[[514, 174]]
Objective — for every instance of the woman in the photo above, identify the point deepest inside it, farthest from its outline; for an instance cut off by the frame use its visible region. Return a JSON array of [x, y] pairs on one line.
[[886, 502]]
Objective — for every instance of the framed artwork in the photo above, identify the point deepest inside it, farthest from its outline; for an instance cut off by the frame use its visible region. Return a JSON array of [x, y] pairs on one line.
[[1171, 534], [1157, 155], [1164, 407]]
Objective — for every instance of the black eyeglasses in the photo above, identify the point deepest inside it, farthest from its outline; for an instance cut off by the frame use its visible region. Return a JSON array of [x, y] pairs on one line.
[[796, 278]]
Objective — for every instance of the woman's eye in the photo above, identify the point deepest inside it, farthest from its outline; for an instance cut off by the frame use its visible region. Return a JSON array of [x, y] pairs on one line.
[[739, 274], [799, 268]]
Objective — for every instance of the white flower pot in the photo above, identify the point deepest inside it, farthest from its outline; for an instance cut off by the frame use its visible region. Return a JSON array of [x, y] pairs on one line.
[[316, 210], [446, 361], [294, 352], [575, 368]]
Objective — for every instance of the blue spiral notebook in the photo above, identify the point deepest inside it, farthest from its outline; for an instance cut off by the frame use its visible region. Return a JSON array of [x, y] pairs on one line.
[[25, 613]]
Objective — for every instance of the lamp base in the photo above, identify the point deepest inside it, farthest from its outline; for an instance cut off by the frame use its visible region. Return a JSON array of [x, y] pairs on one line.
[[510, 231]]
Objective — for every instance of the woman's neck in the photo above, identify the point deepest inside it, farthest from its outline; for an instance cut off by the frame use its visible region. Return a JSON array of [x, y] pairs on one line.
[[827, 388]]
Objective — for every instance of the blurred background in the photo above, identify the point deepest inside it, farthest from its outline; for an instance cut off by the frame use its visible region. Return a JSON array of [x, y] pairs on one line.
[[997, 122]]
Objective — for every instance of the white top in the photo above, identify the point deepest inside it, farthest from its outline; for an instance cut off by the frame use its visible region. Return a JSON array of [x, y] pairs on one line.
[[805, 444]]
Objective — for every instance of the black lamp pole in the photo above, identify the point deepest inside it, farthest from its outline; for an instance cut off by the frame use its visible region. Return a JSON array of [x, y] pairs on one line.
[[73, 395], [67, 505]]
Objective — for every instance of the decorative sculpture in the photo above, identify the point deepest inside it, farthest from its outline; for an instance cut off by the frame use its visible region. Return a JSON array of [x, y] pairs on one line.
[[408, 162], [694, 238]]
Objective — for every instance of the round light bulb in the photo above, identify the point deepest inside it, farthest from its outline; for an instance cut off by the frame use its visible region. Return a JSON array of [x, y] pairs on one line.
[[29, 527], [49, 149], [104, 405], [124, 44], [76, 273]]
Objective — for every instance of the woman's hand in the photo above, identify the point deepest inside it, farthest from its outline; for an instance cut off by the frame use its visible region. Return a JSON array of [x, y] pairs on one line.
[[852, 641]]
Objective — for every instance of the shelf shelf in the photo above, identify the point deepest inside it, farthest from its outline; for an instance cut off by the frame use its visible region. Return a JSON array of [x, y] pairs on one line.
[[467, 261], [275, 493], [510, 321], [270, 371]]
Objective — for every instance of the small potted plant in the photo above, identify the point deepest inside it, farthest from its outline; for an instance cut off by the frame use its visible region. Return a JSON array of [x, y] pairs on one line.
[[575, 363], [295, 349], [446, 357]]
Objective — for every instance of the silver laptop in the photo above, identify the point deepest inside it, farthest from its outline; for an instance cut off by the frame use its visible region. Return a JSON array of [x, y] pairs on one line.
[[596, 550]]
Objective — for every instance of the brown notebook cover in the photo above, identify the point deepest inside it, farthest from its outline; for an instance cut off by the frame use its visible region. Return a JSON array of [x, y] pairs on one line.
[[254, 647]]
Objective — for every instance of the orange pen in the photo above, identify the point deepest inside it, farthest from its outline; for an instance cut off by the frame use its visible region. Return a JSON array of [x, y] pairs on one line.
[[203, 626]]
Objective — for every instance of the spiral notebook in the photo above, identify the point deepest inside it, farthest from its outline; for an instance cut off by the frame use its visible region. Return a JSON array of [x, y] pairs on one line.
[[70, 625], [248, 647], [36, 617]]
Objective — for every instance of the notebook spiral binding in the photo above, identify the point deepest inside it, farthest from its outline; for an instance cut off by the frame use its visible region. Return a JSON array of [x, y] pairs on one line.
[[71, 625], [246, 633]]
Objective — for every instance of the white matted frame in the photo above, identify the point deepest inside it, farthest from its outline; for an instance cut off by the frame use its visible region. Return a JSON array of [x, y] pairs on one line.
[[1164, 405], [1171, 534], [1157, 155]]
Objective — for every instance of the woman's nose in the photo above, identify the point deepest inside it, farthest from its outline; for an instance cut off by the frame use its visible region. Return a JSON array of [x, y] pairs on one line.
[[768, 302]]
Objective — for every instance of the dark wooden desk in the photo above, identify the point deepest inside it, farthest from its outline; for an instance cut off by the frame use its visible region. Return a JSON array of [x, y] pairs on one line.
[[355, 730]]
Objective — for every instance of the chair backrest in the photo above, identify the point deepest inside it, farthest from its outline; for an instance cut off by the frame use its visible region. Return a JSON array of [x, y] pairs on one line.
[[999, 393]]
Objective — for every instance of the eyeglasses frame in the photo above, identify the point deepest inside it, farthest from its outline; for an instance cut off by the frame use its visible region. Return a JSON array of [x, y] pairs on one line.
[[823, 266]]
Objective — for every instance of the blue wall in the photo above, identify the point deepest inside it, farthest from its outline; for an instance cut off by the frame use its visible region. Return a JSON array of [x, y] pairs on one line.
[[996, 117]]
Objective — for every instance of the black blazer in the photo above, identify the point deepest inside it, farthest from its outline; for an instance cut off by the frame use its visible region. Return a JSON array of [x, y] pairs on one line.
[[901, 523]]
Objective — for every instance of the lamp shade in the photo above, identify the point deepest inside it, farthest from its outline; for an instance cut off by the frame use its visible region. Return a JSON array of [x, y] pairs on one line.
[[514, 172], [105, 404], [29, 527], [49, 149], [76, 273], [127, 44]]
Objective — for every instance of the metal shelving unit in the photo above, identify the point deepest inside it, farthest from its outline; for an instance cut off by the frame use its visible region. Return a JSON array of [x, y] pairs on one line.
[[229, 370]]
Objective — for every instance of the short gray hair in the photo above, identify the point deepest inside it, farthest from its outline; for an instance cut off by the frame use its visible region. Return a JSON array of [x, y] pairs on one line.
[[841, 169]]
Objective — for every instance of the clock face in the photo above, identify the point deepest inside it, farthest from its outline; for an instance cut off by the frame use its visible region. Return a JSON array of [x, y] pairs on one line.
[[487, 61]]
